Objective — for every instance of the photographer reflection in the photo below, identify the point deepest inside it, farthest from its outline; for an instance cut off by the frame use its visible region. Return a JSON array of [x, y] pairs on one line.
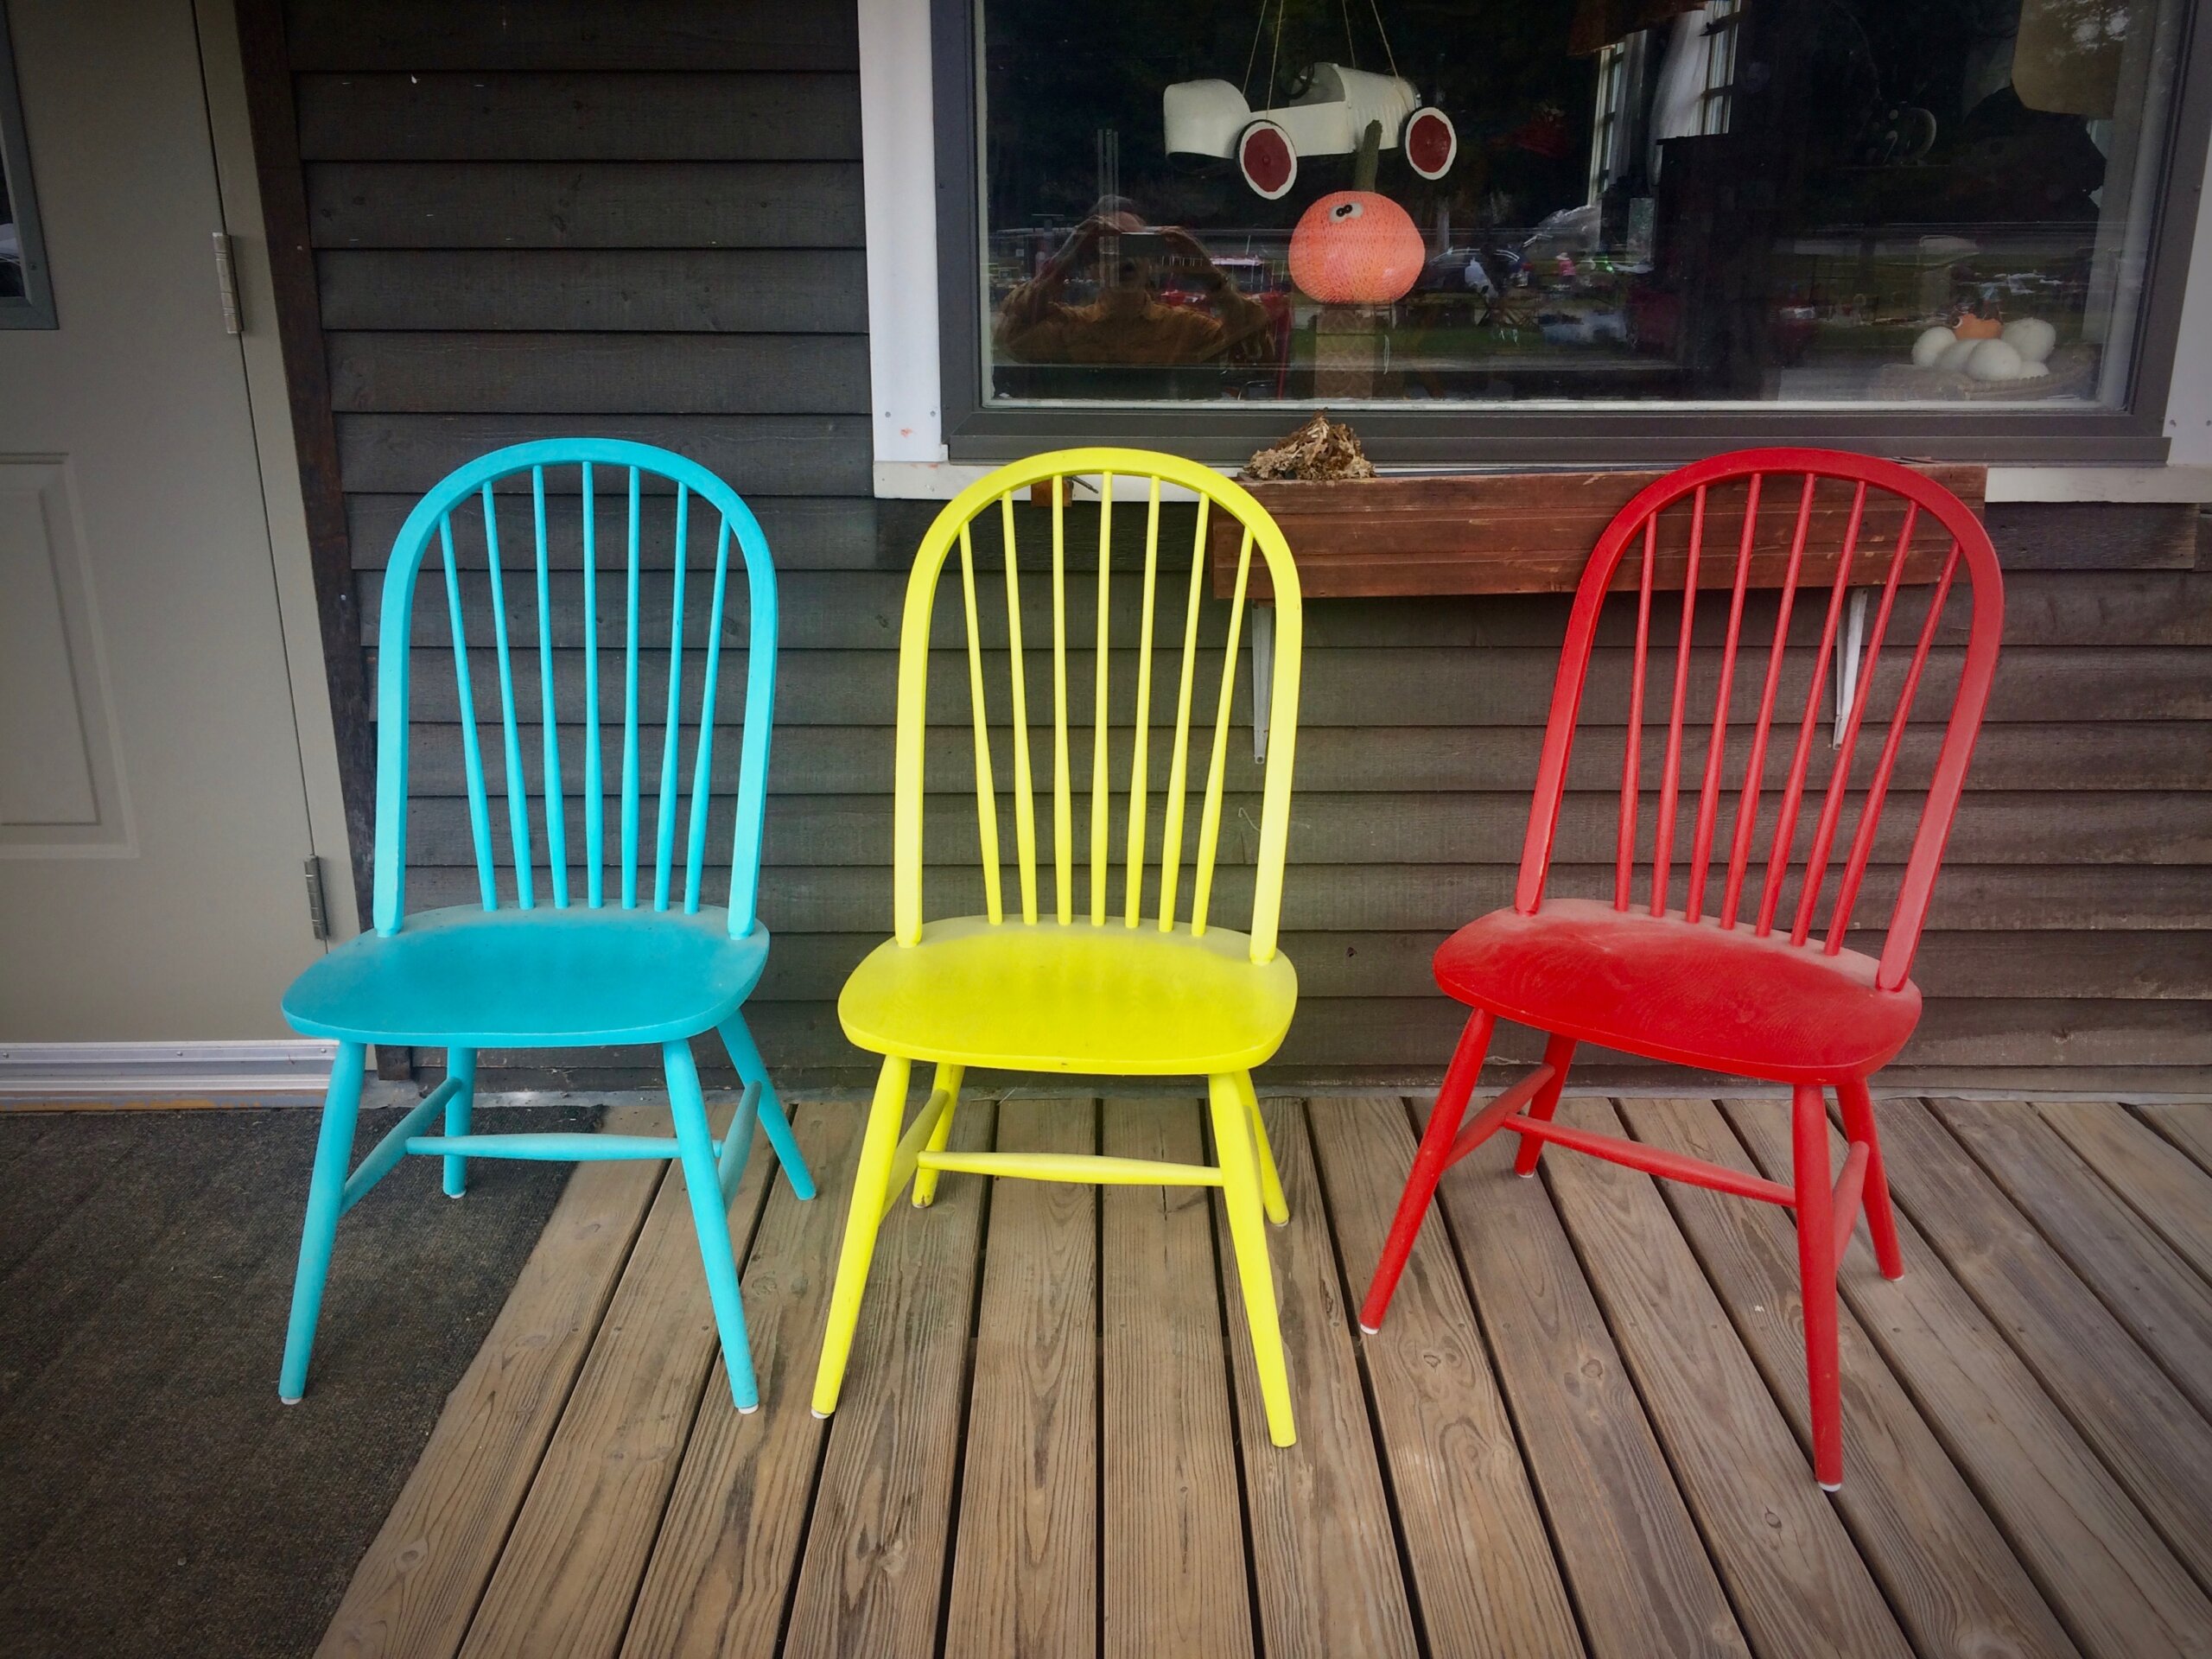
[[1161, 302]]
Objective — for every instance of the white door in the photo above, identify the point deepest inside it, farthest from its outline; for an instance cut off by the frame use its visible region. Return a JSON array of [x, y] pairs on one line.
[[153, 818]]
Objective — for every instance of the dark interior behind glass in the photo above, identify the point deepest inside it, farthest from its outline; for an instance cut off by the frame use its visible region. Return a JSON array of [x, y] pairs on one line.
[[1811, 202]]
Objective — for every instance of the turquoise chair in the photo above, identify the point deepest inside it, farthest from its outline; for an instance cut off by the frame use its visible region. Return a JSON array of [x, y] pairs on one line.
[[591, 968]]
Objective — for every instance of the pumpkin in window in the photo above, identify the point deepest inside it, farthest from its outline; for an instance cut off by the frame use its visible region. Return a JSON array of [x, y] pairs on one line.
[[1357, 247]]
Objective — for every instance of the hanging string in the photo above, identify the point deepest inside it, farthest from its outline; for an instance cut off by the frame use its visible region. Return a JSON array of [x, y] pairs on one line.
[[1245, 86], [1375, 6], [1351, 52], [1275, 54]]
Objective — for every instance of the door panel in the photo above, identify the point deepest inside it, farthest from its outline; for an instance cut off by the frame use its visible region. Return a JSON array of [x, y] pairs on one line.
[[153, 820]]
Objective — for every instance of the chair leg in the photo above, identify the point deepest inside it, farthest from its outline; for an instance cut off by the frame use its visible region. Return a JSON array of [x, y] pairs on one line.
[[1240, 1191], [1559, 1054], [1881, 1220], [695, 1142], [871, 1185], [1270, 1179], [1429, 1166], [948, 1079], [460, 1063], [745, 1055], [334, 1151], [1817, 1273]]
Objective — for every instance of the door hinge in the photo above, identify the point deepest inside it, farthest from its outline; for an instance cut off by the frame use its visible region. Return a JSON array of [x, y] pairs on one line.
[[318, 911], [226, 284]]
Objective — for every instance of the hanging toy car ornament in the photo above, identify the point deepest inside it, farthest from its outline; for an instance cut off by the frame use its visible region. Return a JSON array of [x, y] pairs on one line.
[[1331, 106]]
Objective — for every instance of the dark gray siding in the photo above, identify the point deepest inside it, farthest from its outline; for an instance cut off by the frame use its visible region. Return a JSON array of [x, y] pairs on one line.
[[645, 222]]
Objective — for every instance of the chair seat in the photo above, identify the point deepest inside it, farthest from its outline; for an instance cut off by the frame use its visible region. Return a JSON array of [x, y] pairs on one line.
[[1672, 989], [532, 979], [1127, 1002]]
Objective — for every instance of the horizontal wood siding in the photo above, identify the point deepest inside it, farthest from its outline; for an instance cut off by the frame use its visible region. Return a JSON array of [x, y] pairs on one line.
[[646, 222]]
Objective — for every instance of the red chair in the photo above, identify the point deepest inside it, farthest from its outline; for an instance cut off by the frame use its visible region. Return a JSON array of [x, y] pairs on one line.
[[1739, 981]]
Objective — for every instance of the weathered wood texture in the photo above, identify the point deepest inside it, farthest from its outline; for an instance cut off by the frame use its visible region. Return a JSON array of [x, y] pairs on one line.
[[559, 218], [1532, 533], [1579, 1433]]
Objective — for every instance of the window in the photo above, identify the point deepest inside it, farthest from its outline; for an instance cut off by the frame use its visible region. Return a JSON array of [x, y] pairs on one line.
[[1944, 207], [25, 301]]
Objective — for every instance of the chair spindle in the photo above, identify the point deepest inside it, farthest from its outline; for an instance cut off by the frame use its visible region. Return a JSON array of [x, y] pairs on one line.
[[1062, 787], [665, 817], [1025, 789], [518, 788], [1171, 845], [1632, 757], [1663, 844], [594, 781], [630, 715], [1708, 798], [479, 809], [1747, 804], [987, 799], [1210, 823], [556, 825], [1132, 895], [702, 764], [1100, 793]]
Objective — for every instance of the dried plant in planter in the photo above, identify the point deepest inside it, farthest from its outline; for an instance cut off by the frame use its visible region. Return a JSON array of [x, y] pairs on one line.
[[1320, 450]]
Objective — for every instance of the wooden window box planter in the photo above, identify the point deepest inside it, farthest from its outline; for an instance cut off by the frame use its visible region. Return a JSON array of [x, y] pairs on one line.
[[1532, 533]]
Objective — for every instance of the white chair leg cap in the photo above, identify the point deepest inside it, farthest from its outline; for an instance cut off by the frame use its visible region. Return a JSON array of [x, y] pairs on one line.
[[821, 1416], [1371, 1330], [1827, 1488], [290, 1399]]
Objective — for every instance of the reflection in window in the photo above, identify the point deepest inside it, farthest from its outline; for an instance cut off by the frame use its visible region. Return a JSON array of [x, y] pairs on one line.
[[1815, 201], [26, 302]]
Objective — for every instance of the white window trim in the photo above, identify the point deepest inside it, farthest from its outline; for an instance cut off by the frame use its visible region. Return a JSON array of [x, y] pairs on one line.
[[899, 161]]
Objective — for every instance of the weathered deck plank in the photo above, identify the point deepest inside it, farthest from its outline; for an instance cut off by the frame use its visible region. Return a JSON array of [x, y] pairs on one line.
[[1580, 1434], [1795, 1578], [1631, 1553], [2188, 1127], [1175, 1577], [1324, 1554], [727, 1547], [1946, 1569], [415, 1590], [2149, 1289], [1484, 1578], [2166, 1190], [2143, 1426], [870, 1580], [1025, 1569], [2107, 1574]]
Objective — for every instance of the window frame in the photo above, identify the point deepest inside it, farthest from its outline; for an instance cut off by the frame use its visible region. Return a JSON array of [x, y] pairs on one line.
[[1480, 435], [34, 309]]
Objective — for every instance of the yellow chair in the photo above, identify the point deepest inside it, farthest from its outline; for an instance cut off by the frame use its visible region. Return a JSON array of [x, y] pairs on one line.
[[1093, 988]]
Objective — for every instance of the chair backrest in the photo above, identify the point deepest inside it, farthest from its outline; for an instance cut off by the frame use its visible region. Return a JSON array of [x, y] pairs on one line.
[[1127, 482], [1848, 520], [592, 468]]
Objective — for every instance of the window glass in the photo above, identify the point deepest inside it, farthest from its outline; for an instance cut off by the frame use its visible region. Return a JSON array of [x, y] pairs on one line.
[[1806, 201], [25, 301]]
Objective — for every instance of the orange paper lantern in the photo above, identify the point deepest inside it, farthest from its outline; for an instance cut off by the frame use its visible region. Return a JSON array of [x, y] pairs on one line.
[[1972, 327], [1356, 248]]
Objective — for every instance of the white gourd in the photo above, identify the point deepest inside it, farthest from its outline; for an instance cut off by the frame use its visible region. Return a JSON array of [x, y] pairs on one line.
[[1930, 345], [1992, 359], [1953, 358], [2032, 338]]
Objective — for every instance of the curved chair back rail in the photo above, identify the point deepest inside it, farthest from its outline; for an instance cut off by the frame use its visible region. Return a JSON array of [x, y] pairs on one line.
[[1772, 492], [1126, 482], [592, 468]]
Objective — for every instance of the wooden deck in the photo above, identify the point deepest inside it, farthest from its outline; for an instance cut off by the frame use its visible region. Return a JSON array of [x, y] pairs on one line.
[[1580, 1431]]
